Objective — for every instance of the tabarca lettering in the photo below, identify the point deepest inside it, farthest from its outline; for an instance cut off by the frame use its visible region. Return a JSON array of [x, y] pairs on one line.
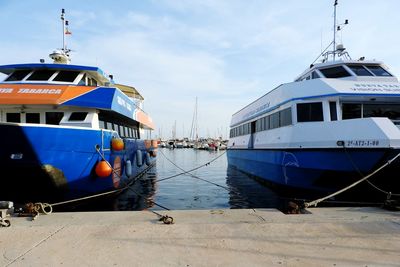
[[39, 91], [6, 90]]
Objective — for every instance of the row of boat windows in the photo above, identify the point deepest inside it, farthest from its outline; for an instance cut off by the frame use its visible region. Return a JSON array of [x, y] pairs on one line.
[[54, 118], [275, 120], [358, 70], [357, 110], [46, 75], [123, 130], [307, 112]]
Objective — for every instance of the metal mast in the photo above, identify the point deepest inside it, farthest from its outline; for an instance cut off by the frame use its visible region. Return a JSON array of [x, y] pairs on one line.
[[63, 28], [334, 30]]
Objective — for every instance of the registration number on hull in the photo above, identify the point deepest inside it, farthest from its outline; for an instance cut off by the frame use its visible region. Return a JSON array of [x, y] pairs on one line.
[[362, 143]]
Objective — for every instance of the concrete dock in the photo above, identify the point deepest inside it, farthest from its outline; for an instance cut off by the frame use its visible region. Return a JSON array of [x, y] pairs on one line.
[[253, 237]]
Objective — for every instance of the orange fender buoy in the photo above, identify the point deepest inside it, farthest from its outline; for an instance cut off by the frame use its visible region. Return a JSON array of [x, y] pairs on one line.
[[103, 169], [117, 144]]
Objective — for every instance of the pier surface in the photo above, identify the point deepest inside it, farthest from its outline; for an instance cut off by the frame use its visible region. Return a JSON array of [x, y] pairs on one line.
[[259, 237]]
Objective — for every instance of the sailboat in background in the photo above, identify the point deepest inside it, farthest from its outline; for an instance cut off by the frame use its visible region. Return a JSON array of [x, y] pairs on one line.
[[194, 134]]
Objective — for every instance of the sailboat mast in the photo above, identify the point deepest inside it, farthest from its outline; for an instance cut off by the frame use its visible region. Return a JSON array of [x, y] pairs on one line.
[[196, 129], [193, 129]]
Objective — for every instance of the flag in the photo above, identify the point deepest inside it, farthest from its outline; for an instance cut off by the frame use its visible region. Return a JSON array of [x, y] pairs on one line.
[[66, 28]]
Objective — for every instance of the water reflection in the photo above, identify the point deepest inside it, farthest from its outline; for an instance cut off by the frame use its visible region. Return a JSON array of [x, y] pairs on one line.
[[248, 193], [139, 195], [235, 190]]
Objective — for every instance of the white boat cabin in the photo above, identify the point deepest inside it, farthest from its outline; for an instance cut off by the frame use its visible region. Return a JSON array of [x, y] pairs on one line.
[[326, 92], [65, 116]]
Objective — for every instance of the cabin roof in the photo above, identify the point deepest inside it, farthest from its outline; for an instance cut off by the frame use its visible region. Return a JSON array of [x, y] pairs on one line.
[[95, 71]]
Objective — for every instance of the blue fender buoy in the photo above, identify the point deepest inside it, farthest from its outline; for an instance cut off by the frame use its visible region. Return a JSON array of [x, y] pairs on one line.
[[139, 159], [128, 168]]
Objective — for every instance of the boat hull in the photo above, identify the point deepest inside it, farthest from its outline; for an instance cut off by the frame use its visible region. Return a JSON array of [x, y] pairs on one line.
[[41, 163], [315, 172]]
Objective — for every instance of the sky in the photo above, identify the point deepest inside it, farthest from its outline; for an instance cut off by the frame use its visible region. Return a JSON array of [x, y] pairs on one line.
[[227, 53]]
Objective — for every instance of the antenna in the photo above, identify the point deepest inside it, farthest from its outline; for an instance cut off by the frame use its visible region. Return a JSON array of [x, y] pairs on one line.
[[62, 56], [334, 29], [338, 49], [63, 28]]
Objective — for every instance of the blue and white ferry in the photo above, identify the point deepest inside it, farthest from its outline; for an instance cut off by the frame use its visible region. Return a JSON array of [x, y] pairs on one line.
[[69, 131], [337, 122]]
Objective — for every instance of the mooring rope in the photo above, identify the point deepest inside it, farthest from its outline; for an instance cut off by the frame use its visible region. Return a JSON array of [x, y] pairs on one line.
[[230, 190], [315, 202], [388, 194], [41, 207], [189, 172]]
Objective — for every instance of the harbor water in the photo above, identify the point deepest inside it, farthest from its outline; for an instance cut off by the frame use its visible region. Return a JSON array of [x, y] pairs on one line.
[[212, 186], [190, 179]]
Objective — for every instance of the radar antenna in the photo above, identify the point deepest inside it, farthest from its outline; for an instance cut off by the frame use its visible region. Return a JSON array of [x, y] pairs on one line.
[[338, 50], [61, 56]]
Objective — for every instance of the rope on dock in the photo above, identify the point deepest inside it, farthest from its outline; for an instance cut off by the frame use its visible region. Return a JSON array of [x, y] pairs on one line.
[[34, 209], [315, 202]]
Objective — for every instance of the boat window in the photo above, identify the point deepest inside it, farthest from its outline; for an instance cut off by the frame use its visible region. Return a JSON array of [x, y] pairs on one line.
[[41, 75], [351, 111], [18, 75], [274, 120], [92, 82], [121, 130], [378, 71], [266, 123], [335, 72], [285, 117], [32, 117], [309, 112], [83, 80], [102, 124], [360, 70], [54, 118], [333, 111], [66, 76], [390, 111], [109, 126], [13, 117], [78, 116], [315, 75]]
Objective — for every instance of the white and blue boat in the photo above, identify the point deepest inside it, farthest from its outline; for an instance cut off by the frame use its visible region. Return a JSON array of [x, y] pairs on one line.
[[337, 122], [69, 131]]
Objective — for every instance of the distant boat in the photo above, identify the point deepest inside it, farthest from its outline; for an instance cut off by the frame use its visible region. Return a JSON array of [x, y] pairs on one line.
[[338, 121]]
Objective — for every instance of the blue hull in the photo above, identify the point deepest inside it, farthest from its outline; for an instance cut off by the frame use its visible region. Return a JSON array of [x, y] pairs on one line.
[[53, 163], [316, 170]]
